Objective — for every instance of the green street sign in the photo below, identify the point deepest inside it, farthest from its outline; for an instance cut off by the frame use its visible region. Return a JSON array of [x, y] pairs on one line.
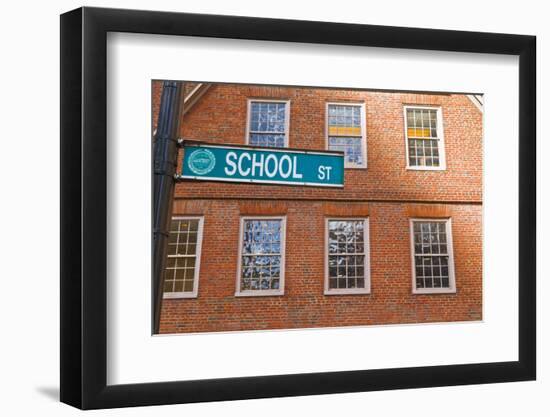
[[234, 163]]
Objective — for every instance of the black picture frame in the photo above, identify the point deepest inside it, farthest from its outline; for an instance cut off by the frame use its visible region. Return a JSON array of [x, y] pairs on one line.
[[84, 207]]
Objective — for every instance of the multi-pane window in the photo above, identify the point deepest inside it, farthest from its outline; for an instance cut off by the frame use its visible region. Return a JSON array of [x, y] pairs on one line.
[[346, 133], [433, 269], [261, 269], [183, 260], [425, 147], [268, 123], [348, 253]]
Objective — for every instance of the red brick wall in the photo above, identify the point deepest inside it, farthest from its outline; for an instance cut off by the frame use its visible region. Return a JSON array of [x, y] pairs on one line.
[[386, 192]]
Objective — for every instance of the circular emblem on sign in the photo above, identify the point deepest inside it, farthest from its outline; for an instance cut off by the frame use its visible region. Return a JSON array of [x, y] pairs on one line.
[[201, 161]]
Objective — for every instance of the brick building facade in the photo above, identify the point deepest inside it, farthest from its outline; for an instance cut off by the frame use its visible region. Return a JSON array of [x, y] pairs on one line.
[[401, 242]]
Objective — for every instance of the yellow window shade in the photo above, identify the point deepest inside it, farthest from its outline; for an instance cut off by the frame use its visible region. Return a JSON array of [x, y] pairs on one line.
[[344, 131], [418, 132]]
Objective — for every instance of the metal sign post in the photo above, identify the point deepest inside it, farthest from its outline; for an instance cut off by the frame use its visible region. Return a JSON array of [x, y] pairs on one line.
[[165, 161]]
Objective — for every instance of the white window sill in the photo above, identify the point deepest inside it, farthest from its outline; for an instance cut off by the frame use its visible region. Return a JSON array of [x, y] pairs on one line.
[[259, 293], [413, 168], [434, 291], [172, 295], [360, 291]]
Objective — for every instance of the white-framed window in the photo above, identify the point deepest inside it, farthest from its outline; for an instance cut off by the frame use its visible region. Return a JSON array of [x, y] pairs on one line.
[[432, 256], [347, 263], [261, 267], [268, 123], [425, 143], [347, 132], [181, 274]]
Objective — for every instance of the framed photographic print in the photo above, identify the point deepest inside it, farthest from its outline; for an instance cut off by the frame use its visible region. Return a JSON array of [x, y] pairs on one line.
[[257, 208]]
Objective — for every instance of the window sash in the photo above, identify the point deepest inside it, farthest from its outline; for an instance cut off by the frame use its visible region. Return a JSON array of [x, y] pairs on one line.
[[184, 291], [425, 137], [432, 277], [352, 283], [349, 123]]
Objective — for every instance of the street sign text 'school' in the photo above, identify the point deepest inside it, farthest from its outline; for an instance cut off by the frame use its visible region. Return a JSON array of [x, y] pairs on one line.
[[234, 163]]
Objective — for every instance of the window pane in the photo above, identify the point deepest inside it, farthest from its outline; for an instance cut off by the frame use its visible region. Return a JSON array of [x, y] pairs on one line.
[[188, 285], [171, 262], [174, 225], [173, 238], [168, 286]]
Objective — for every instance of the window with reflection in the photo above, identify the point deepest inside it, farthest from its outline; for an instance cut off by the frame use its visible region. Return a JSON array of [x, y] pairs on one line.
[[262, 255], [267, 123], [346, 133]]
